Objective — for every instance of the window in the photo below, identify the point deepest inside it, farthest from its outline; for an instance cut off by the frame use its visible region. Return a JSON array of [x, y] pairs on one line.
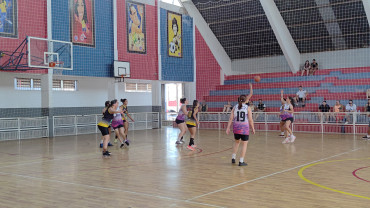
[[27, 84], [69, 85], [35, 84], [138, 87], [64, 85], [57, 84]]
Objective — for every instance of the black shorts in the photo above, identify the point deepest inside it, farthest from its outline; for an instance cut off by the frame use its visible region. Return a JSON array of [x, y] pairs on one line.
[[179, 121], [117, 127], [242, 137], [300, 99], [104, 130], [288, 119], [190, 126]]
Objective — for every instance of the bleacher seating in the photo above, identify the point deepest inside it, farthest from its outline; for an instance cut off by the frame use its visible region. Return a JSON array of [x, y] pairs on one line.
[[330, 85]]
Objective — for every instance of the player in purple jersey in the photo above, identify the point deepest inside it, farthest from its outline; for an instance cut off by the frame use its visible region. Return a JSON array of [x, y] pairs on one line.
[[180, 120], [241, 117], [286, 115]]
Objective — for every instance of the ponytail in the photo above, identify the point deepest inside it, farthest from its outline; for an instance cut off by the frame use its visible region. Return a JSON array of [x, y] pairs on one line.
[[292, 101], [123, 100], [182, 100], [241, 100], [195, 103], [107, 103], [112, 103]]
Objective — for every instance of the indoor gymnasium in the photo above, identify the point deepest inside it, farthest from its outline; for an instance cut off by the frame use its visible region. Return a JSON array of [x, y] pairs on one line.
[[184, 103]]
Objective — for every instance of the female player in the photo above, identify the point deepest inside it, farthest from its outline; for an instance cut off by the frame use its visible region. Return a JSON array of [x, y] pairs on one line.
[[241, 117], [104, 124], [192, 123], [124, 118], [106, 104], [180, 120], [117, 124], [286, 115]]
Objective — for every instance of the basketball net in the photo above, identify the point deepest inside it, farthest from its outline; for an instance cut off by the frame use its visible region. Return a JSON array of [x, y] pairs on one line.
[[53, 64]]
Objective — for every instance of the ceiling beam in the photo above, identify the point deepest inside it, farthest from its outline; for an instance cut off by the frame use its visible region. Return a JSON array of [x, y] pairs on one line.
[[366, 4], [282, 34], [209, 37]]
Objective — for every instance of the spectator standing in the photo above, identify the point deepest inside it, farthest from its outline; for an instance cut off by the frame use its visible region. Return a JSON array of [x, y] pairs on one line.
[[306, 68], [314, 67], [367, 106], [368, 94], [338, 108], [204, 107], [301, 96], [325, 108], [350, 108], [367, 109], [261, 107], [228, 107]]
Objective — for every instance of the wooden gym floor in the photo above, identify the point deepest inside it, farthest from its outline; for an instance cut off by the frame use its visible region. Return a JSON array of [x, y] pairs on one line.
[[316, 171]]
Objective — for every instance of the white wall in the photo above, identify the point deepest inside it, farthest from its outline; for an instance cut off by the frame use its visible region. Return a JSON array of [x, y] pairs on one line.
[[11, 98], [327, 60], [91, 92], [339, 59], [260, 65]]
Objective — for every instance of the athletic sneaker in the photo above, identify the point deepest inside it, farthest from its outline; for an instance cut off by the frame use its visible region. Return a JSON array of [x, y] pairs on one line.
[[281, 135], [233, 160], [182, 141], [127, 142], [178, 142], [110, 144], [292, 138], [101, 145], [365, 137], [242, 164], [286, 141], [190, 148], [122, 145], [106, 153]]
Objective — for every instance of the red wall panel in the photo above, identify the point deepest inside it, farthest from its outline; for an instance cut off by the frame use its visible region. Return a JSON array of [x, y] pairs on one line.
[[142, 66], [208, 70], [32, 21]]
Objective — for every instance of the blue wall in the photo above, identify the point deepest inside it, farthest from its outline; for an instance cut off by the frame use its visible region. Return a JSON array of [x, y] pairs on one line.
[[88, 61], [178, 69]]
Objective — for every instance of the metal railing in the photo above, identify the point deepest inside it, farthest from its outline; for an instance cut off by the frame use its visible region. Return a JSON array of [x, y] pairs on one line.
[[24, 128], [353, 123], [87, 124]]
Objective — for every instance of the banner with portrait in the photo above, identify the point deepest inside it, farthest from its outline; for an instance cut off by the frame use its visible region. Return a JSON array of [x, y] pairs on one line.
[[82, 22], [8, 18], [174, 34], [135, 21]]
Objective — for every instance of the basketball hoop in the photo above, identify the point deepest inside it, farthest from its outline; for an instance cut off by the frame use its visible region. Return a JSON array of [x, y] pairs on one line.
[[121, 78], [53, 64]]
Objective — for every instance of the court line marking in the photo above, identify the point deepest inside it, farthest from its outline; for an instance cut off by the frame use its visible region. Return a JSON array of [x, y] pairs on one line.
[[272, 174], [300, 173], [354, 174], [110, 189]]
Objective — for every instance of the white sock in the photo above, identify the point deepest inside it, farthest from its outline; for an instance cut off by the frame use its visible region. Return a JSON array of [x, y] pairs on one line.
[[241, 160], [368, 136], [101, 141], [282, 133], [233, 156]]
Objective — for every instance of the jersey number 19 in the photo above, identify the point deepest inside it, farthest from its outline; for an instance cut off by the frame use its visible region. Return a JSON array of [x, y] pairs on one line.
[[240, 116]]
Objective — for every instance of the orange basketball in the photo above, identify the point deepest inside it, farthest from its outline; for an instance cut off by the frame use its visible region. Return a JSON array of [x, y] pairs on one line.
[[51, 64], [257, 78]]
